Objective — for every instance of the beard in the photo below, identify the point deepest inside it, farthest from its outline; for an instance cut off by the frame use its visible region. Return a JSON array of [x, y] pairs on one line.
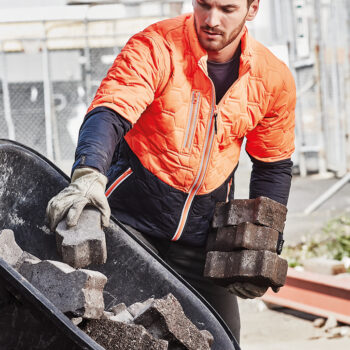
[[221, 40]]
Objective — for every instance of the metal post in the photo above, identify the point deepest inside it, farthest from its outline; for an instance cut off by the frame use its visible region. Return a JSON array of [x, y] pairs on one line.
[[278, 20], [321, 81], [87, 61], [347, 83], [336, 92], [47, 98], [6, 97], [300, 142]]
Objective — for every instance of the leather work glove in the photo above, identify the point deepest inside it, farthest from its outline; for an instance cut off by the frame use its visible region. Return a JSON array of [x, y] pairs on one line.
[[246, 290], [87, 187]]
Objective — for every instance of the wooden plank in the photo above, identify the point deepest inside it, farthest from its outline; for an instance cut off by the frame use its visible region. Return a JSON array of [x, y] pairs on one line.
[[314, 293]]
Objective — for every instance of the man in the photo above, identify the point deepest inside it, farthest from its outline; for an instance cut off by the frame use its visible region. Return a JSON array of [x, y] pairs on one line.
[[166, 127]]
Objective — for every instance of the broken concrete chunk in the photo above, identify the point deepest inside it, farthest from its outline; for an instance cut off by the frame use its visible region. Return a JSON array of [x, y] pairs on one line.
[[260, 211], [26, 257], [11, 252], [77, 320], [165, 319], [120, 336], [116, 309], [331, 323], [70, 290], [258, 267], [208, 336], [319, 322], [120, 313], [324, 266], [244, 236], [83, 244], [123, 316], [106, 315], [338, 332], [9, 249], [137, 308]]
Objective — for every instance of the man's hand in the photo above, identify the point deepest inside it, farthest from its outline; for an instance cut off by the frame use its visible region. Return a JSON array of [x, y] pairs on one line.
[[87, 187], [246, 290]]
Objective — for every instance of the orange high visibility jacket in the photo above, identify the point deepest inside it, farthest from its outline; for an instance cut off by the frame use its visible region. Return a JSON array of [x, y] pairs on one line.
[[159, 83]]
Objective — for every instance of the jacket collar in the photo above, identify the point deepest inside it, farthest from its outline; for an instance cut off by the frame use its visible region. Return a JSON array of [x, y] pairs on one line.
[[201, 55]]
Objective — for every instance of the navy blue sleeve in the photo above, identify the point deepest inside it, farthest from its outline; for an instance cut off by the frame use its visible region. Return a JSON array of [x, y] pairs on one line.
[[99, 135], [271, 180]]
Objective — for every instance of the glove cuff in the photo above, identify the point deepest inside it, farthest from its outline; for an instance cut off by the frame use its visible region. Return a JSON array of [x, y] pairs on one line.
[[89, 172]]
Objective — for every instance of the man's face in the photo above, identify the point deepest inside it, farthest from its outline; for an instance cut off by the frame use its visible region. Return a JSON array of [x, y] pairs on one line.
[[219, 22]]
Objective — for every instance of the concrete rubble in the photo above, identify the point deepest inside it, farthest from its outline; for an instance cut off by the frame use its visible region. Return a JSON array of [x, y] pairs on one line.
[[77, 291], [83, 244], [161, 323], [164, 318], [137, 308], [330, 329], [121, 336], [155, 324], [9, 250]]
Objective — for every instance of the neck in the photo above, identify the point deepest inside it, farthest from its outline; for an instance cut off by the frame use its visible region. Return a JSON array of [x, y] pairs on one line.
[[227, 53]]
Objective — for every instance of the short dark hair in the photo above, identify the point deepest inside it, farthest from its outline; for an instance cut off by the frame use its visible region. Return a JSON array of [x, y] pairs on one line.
[[249, 2]]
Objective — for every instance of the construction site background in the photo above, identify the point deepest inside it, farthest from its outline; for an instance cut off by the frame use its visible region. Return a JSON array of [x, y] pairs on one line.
[[53, 56]]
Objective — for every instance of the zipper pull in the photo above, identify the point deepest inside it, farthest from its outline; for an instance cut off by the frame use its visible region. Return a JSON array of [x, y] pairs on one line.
[[195, 97], [215, 123]]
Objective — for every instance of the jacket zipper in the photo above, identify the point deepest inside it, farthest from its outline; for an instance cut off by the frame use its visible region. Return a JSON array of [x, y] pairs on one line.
[[226, 93], [208, 144], [229, 185], [212, 130], [118, 182], [192, 120]]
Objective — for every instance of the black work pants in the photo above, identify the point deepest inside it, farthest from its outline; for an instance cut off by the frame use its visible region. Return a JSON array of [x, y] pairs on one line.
[[189, 263]]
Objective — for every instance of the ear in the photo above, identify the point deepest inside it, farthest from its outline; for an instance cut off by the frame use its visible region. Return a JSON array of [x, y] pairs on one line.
[[253, 10]]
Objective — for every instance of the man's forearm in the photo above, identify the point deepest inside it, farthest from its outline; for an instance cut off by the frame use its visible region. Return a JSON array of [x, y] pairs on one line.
[[272, 180], [99, 135]]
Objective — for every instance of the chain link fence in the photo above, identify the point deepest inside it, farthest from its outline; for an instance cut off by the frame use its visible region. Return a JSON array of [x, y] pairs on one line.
[[47, 83]]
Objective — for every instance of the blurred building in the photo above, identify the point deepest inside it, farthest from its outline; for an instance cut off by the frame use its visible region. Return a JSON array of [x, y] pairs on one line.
[[53, 55]]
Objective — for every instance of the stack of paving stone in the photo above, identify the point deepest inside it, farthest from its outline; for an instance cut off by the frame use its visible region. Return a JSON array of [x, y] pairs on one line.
[[244, 243], [156, 324]]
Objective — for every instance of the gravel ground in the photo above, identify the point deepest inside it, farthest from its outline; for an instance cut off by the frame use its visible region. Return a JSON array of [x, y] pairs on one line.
[[265, 329]]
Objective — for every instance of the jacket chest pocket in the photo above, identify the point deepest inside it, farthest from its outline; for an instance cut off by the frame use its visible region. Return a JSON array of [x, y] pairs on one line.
[[231, 129], [191, 121]]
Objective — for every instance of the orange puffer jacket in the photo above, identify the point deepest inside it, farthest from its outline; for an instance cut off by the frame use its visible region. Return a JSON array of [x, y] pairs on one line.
[[159, 83]]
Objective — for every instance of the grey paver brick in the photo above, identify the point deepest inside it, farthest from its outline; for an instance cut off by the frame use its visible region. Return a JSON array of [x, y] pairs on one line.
[[259, 267], [83, 244], [260, 211], [165, 319], [77, 291], [9, 249], [243, 236]]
